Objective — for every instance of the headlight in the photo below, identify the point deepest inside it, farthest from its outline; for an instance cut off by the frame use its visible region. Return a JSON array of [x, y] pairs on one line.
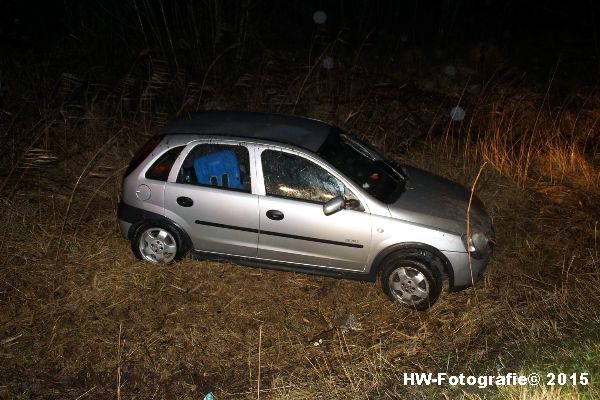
[[477, 244]]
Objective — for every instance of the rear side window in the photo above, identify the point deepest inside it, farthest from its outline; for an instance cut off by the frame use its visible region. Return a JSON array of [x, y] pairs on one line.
[[143, 153], [217, 165], [160, 169]]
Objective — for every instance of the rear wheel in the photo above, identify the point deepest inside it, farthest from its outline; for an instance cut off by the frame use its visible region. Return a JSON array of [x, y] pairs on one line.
[[410, 281], [158, 243]]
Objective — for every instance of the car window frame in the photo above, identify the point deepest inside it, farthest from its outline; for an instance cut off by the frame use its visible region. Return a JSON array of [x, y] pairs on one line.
[[211, 141], [312, 158]]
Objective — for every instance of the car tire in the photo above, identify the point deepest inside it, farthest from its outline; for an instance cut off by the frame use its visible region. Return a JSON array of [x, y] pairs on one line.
[[410, 281], [158, 242]]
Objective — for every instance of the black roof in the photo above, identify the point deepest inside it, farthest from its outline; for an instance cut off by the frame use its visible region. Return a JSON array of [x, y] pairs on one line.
[[302, 132]]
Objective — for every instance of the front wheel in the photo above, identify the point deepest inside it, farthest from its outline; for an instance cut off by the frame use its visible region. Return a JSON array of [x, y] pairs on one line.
[[411, 282], [158, 243]]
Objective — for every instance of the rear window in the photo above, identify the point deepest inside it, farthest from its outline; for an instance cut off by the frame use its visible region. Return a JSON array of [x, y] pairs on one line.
[[160, 169], [143, 153]]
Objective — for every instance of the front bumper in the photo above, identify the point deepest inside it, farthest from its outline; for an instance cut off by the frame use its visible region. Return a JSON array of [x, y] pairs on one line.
[[465, 273]]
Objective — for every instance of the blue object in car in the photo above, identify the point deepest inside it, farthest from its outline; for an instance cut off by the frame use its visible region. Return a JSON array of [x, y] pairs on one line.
[[219, 169]]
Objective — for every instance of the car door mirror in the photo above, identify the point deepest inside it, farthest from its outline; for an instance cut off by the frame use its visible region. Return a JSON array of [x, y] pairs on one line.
[[353, 204], [334, 205]]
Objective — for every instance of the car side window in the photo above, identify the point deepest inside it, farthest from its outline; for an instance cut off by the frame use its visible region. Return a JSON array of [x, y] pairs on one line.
[[291, 176], [217, 165], [162, 167]]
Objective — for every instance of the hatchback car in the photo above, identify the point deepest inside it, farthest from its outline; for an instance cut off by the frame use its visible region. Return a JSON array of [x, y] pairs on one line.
[[300, 195]]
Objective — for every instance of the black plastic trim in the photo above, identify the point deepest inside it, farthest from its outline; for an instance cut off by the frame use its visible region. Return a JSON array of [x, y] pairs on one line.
[[285, 235], [133, 214], [302, 269], [403, 247], [237, 228]]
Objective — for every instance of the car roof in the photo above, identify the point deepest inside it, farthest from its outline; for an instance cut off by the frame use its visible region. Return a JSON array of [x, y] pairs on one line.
[[298, 131]]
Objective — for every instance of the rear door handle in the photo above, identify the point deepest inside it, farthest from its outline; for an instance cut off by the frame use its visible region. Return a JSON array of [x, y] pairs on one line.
[[275, 215], [185, 201]]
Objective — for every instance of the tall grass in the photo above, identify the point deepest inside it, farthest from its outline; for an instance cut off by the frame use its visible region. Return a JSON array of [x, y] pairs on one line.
[[525, 140]]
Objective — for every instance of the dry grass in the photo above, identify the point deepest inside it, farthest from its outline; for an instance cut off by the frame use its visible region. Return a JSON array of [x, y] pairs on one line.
[[81, 318], [543, 393]]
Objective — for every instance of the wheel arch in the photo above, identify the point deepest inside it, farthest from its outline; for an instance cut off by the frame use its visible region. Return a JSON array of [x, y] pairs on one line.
[[159, 219], [421, 250]]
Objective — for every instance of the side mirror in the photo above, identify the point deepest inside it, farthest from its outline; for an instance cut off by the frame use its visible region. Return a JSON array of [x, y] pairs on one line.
[[334, 205]]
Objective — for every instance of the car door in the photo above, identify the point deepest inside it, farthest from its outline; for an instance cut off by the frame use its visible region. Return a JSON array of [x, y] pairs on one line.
[[211, 198], [293, 227]]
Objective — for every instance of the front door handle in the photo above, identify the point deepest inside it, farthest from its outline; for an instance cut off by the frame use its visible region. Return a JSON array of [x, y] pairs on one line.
[[185, 201], [275, 215]]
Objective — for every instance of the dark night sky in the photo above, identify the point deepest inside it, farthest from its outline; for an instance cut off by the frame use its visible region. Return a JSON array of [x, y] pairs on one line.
[[526, 31], [45, 22]]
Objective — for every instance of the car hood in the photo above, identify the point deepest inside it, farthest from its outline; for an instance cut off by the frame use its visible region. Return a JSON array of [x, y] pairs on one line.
[[437, 202]]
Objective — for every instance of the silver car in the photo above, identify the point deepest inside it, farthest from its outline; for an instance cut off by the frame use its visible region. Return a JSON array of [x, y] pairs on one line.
[[300, 195]]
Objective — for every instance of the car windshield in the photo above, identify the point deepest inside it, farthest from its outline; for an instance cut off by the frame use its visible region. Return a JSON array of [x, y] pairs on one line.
[[366, 167]]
